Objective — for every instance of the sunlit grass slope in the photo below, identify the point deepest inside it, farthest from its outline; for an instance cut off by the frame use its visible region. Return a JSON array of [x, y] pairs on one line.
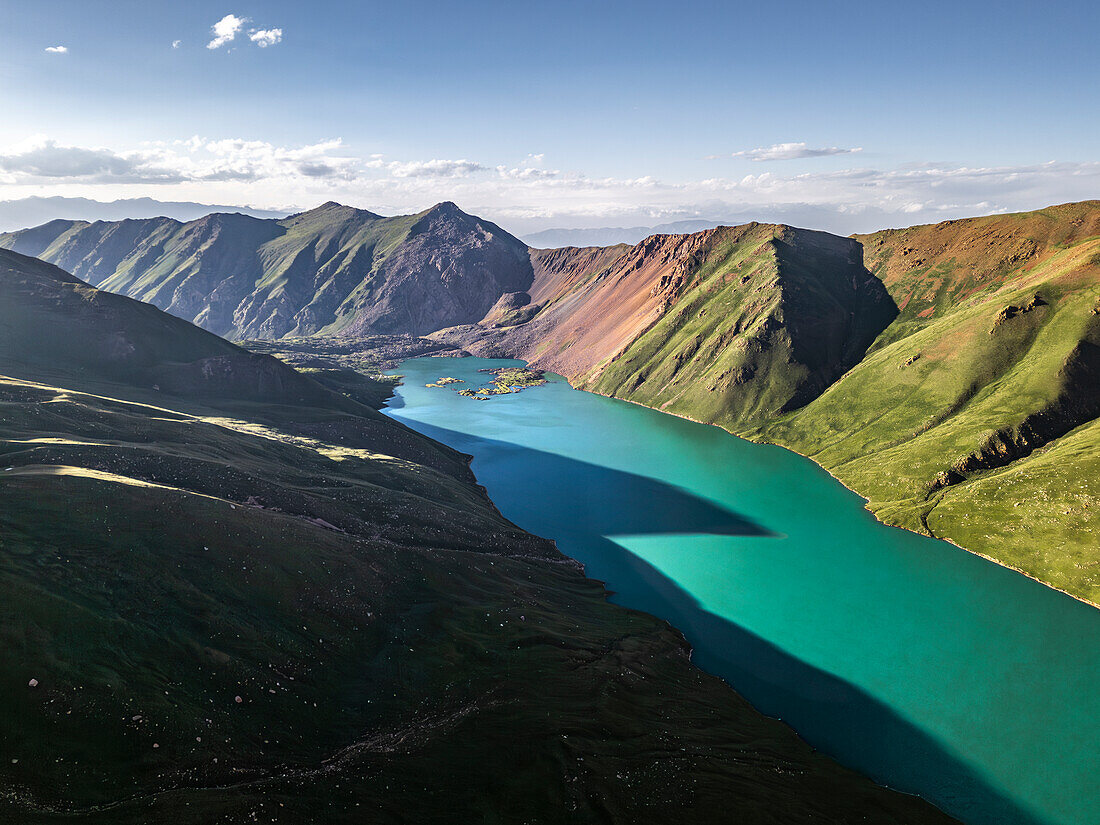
[[974, 415]]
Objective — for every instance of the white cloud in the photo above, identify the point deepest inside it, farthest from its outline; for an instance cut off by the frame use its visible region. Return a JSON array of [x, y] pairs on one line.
[[266, 37], [57, 49], [40, 158], [526, 173], [199, 159], [225, 30], [792, 151], [176, 44], [529, 169], [433, 168]]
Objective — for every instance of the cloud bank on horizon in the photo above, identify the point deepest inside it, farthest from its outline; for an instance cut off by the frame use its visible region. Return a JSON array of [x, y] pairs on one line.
[[791, 151], [527, 194]]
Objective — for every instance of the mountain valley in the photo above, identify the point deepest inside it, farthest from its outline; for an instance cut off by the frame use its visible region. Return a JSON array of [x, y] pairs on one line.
[[947, 372], [230, 591]]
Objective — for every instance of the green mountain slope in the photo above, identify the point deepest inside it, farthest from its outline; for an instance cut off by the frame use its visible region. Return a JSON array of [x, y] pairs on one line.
[[230, 594], [762, 324], [974, 418], [332, 269]]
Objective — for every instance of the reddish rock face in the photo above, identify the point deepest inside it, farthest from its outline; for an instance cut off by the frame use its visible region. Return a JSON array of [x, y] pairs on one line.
[[761, 318]]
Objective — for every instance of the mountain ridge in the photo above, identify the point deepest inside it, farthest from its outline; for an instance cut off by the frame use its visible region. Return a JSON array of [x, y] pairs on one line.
[[328, 269], [727, 309]]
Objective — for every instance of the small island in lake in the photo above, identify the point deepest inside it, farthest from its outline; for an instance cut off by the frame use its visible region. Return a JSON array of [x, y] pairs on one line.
[[507, 380]]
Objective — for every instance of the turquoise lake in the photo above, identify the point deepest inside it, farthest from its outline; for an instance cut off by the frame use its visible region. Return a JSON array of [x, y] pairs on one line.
[[928, 668]]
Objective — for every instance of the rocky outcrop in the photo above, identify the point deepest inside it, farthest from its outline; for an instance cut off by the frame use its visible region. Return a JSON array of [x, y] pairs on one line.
[[1011, 311]]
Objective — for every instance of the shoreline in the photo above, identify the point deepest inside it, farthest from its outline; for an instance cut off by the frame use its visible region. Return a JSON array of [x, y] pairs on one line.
[[980, 554], [866, 500]]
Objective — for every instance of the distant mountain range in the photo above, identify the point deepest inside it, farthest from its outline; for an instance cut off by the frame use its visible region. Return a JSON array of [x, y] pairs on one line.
[[331, 269], [26, 212]]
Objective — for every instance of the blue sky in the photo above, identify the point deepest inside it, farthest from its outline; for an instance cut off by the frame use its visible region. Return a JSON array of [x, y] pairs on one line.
[[564, 113]]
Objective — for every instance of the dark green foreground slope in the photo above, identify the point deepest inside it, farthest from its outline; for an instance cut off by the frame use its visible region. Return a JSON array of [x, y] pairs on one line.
[[228, 594]]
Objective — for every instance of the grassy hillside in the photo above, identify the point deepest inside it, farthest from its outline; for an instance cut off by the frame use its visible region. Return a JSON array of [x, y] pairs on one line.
[[332, 269], [764, 322], [974, 416], [229, 594]]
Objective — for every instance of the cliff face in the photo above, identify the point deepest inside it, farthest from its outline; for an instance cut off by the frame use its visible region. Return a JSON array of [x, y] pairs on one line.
[[333, 269], [227, 589], [733, 324]]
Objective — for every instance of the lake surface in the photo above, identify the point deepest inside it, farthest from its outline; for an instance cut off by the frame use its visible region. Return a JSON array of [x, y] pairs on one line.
[[928, 668]]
